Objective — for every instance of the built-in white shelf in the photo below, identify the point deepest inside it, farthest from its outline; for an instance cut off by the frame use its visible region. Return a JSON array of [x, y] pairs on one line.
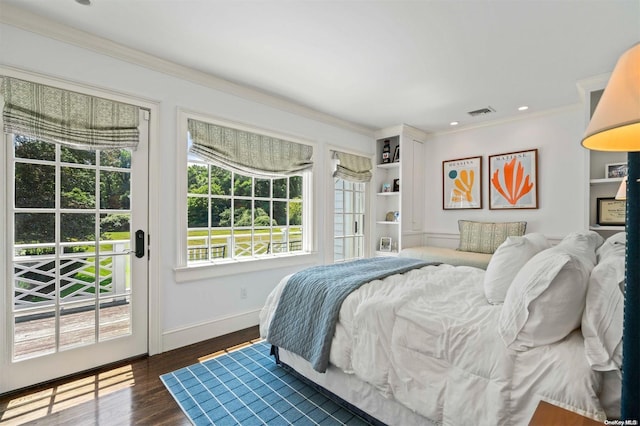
[[386, 253], [606, 228], [605, 180], [387, 194], [387, 222], [389, 165]]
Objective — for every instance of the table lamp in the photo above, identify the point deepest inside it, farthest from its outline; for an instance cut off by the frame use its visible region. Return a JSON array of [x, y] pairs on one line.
[[615, 126]]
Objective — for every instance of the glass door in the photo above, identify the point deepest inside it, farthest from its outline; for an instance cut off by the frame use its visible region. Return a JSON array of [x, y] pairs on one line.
[[76, 290], [348, 220]]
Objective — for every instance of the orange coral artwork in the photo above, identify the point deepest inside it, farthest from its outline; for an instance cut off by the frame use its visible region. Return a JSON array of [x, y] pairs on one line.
[[461, 183], [513, 180], [463, 187]]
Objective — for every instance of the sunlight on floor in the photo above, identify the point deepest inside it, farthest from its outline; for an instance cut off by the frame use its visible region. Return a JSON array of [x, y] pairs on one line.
[[231, 349], [42, 403]]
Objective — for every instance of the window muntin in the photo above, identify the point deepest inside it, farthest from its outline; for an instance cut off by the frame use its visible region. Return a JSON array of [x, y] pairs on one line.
[[236, 216], [70, 218], [348, 220]]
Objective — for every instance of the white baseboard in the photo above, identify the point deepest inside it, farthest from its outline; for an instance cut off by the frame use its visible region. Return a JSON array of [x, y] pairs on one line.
[[183, 336]]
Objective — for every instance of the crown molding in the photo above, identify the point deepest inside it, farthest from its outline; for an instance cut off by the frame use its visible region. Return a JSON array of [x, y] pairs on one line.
[[590, 84], [38, 24]]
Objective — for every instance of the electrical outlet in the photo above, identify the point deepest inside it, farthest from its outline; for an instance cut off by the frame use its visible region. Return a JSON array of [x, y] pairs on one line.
[[243, 292]]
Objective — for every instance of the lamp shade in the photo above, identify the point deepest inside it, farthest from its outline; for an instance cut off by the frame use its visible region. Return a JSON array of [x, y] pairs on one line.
[[622, 190], [615, 125]]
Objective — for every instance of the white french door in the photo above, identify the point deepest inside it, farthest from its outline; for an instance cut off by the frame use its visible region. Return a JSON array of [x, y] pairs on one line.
[[348, 220], [76, 286]]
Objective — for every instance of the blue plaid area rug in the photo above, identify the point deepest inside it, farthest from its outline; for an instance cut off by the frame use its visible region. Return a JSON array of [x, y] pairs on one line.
[[246, 387]]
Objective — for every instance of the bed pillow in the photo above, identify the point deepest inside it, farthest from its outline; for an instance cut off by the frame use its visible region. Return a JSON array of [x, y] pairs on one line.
[[485, 237], [583, 245], [505, 263], [603, 314], [615, 245], [546, 299]]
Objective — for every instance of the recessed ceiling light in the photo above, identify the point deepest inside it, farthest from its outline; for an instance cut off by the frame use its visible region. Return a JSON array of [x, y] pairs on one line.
[[84, 2], [523, 108], [454, 123]]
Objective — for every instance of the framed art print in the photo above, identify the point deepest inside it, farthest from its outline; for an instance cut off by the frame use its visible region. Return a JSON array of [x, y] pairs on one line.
[[462, 183], [513, 180]]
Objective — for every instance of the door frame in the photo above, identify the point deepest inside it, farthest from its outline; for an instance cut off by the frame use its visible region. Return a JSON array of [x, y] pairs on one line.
[[330, 207], [154, 290]]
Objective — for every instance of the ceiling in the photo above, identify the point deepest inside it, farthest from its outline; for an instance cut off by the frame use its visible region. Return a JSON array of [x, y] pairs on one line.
[[377, 63]]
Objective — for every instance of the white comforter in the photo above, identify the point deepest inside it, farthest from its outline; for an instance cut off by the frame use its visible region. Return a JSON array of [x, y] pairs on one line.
[[428, 338]]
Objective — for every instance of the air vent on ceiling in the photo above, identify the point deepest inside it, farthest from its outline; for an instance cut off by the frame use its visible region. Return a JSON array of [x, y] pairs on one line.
[[481, 111]]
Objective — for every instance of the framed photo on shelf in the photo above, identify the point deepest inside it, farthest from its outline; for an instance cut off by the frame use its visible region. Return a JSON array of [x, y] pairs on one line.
[[616, 170], [611, 211], [396, 154], [513, 180], [462, 183], [386, 187], [385, 244], [396, 185]]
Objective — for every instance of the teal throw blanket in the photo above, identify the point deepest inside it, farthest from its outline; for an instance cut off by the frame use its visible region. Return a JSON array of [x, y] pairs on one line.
[[305, 319]]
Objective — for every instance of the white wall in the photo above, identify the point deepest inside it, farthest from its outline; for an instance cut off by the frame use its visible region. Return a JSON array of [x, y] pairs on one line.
[[561, 173], [204, 308]]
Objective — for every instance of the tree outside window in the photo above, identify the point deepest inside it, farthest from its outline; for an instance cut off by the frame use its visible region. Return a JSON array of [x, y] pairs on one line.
[[231, 215]]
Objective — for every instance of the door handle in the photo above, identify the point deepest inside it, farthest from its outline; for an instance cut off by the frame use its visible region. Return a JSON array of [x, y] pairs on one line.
[[139, 243]]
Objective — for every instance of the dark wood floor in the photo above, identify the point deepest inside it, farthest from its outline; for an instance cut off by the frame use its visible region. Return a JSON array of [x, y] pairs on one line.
[[128, 393]]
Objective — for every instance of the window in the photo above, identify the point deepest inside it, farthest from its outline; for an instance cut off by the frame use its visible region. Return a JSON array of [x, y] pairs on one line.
[[231, 215], [348, 220], [245, 194]]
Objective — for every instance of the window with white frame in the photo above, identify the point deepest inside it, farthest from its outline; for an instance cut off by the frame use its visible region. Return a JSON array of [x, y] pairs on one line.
[[245, 194], [348, 220], [351, 175], [232, 215]]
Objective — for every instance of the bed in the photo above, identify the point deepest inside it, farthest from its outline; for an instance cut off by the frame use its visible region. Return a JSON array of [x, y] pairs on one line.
[[448, 255], [429, 346]]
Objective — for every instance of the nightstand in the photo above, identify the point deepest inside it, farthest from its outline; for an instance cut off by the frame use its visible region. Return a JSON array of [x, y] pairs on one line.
[[550, 415]]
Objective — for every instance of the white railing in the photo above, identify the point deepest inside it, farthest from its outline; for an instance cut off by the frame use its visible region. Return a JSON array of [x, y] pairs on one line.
[[79, 276], [202, 248]]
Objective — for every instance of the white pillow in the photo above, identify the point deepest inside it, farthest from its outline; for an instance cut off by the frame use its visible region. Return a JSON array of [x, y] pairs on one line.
[[583, 245], [546, 299], [603, 315], [615, 245], [507, 261]]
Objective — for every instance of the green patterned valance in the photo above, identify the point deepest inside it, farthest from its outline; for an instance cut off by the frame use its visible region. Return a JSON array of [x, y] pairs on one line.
[[69, 118], [354, 168], [246, 152]]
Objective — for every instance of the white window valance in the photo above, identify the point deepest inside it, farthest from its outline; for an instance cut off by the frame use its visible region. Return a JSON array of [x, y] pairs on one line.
[[69, 118], [247, 152], [351, 167]]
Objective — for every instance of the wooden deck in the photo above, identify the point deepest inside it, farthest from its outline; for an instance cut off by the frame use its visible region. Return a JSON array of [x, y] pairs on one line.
[[37, 336]]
